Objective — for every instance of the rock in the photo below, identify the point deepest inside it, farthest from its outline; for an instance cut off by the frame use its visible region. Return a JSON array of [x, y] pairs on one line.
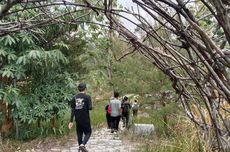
[[157, 106], [227, 122], [74, 149], [56, 149], [147, 106], [143, 114], [143, 129], [65, 150]]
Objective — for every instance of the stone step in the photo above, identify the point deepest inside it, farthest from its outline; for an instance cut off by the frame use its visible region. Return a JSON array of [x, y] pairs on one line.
[[101, 141]]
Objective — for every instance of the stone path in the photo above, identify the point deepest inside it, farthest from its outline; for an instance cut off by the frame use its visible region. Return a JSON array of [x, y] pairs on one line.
[[102, 140]]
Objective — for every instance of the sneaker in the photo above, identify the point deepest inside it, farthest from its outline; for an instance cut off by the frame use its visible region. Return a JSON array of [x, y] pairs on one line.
[[82, 148]]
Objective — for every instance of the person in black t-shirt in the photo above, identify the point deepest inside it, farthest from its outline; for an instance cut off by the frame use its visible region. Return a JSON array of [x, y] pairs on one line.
[[125, 106], [80, 106]]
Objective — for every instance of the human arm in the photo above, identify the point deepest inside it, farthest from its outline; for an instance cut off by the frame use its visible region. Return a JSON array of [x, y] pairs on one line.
[[72, 114], [90, 107], [106, 107], [120, 108], [70, 125]]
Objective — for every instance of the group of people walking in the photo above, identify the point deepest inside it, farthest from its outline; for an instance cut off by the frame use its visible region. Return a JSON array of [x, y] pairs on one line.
[[80, 106], [117, 109]]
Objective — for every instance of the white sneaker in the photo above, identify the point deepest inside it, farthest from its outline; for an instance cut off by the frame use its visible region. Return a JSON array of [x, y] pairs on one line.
[[82, 148]]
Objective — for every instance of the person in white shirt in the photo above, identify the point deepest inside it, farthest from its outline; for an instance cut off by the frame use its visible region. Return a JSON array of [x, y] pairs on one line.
[[115, 105]]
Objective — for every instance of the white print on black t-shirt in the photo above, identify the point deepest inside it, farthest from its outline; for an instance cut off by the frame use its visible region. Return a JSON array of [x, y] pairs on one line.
[[79, 103]]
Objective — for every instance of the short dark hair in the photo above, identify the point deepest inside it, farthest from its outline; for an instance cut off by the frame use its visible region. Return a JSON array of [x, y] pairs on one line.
[[116, 94], [126, 98], [81, 87]]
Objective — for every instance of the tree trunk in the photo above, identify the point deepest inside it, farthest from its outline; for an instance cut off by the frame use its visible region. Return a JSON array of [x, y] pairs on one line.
[[7, 122], [53, 121], [39, 123]]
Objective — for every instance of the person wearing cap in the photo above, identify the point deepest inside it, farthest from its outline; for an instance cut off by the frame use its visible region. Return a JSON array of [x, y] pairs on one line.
[[80, 106]]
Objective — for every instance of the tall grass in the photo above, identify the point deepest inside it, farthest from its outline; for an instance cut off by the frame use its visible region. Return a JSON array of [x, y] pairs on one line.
[[185, 139], [155, 117], [32, 131], [178, 135], [97, 115]]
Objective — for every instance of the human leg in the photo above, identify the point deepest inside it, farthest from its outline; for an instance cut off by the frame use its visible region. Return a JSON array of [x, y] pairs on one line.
[[79, 131], [112, 124], [87, 131], [134, 112], [126, 120], [123, 119], [108, 120], [117, 122]]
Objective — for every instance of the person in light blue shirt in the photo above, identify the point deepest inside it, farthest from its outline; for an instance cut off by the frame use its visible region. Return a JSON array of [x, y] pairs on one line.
[[115, 105]]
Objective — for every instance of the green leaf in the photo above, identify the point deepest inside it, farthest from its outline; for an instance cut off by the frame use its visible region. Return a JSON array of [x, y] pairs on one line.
[[62, 45], [35, 54], [2, 93], [8, 73], [19, 72], [12, 57], [9, 40], [21, 60], [3, 53], [27, 39]]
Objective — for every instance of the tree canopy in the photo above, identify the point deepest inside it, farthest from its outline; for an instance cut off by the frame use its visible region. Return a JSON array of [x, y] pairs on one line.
[[187, 40]]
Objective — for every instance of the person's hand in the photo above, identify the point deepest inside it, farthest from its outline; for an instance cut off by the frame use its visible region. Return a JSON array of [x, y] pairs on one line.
[[70, 125]]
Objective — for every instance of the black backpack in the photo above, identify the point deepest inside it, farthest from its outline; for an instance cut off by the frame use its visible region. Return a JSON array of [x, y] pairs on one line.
[[126, 108]]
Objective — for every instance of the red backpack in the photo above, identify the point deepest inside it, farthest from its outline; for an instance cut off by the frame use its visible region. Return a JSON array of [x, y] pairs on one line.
[[109, 110]]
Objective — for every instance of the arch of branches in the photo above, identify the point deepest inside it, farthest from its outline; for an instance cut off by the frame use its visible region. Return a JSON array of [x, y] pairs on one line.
[[188, 40]]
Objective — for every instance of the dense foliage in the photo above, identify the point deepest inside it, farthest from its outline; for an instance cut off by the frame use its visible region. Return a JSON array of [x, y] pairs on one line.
[[40, 67], [40, 70]]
